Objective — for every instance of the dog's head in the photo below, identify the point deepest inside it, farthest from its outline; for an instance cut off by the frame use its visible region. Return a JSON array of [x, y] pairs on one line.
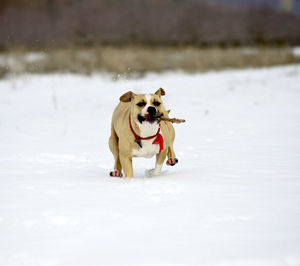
[[145, 107]]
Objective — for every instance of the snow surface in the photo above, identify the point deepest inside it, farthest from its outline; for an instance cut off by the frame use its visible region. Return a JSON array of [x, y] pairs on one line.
[[296, 51], [233, 199]]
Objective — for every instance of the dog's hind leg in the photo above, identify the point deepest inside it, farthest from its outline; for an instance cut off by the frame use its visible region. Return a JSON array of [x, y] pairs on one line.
[[114, 147]]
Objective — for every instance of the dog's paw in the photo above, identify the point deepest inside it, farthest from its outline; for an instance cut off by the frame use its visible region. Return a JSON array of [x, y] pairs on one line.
[[172, 161], [152, 172], [116, 173]]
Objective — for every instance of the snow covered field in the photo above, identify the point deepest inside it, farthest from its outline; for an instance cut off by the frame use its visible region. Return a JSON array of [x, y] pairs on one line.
[[233, 199]]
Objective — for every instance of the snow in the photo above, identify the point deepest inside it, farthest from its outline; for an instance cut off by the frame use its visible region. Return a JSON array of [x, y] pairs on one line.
[[296, 51], [34, 56], [233, 199]]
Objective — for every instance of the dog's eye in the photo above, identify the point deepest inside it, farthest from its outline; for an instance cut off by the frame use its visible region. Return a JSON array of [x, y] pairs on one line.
[[141, 104], [156, 103]]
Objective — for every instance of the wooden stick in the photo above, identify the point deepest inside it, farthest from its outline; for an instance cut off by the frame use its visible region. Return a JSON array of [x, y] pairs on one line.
[[172, 120]]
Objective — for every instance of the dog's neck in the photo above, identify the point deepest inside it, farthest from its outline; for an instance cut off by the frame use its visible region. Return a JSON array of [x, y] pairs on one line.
[[147, 129]]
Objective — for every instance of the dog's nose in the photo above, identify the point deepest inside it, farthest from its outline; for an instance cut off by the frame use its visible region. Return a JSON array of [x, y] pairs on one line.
[[151, 110]]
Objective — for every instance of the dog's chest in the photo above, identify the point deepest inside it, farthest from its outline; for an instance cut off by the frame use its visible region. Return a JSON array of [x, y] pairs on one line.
[[147, 150]]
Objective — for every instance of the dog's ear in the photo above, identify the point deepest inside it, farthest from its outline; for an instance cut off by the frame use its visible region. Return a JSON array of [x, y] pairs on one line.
[[168, 111], [160, 92], [127, 97]]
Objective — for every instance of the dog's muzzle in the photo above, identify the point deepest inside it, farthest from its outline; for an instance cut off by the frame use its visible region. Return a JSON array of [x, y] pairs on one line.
[[150, 119], [151, 111], [141, 119]]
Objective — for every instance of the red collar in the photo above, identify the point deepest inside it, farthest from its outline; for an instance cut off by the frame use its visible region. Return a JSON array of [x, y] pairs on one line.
[[158, 140]]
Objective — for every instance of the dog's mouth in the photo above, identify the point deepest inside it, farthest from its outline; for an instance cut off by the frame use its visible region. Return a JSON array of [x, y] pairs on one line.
[[150, 118]]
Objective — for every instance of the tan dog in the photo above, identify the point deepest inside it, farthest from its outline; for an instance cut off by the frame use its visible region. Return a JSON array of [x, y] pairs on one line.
[[136, 131]]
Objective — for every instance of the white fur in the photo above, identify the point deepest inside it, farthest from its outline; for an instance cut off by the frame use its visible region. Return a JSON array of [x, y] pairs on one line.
[[148, 149], [156, 171], [148, 101]]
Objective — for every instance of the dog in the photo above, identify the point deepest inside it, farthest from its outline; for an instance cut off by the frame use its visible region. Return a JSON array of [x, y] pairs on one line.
[[136, 131]]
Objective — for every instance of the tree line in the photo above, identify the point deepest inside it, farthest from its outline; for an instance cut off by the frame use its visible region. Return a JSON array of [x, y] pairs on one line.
[[47, 23]]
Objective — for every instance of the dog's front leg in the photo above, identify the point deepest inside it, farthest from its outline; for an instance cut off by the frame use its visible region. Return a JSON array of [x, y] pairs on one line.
[[126, 163], [160, 158], [172, 160]]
